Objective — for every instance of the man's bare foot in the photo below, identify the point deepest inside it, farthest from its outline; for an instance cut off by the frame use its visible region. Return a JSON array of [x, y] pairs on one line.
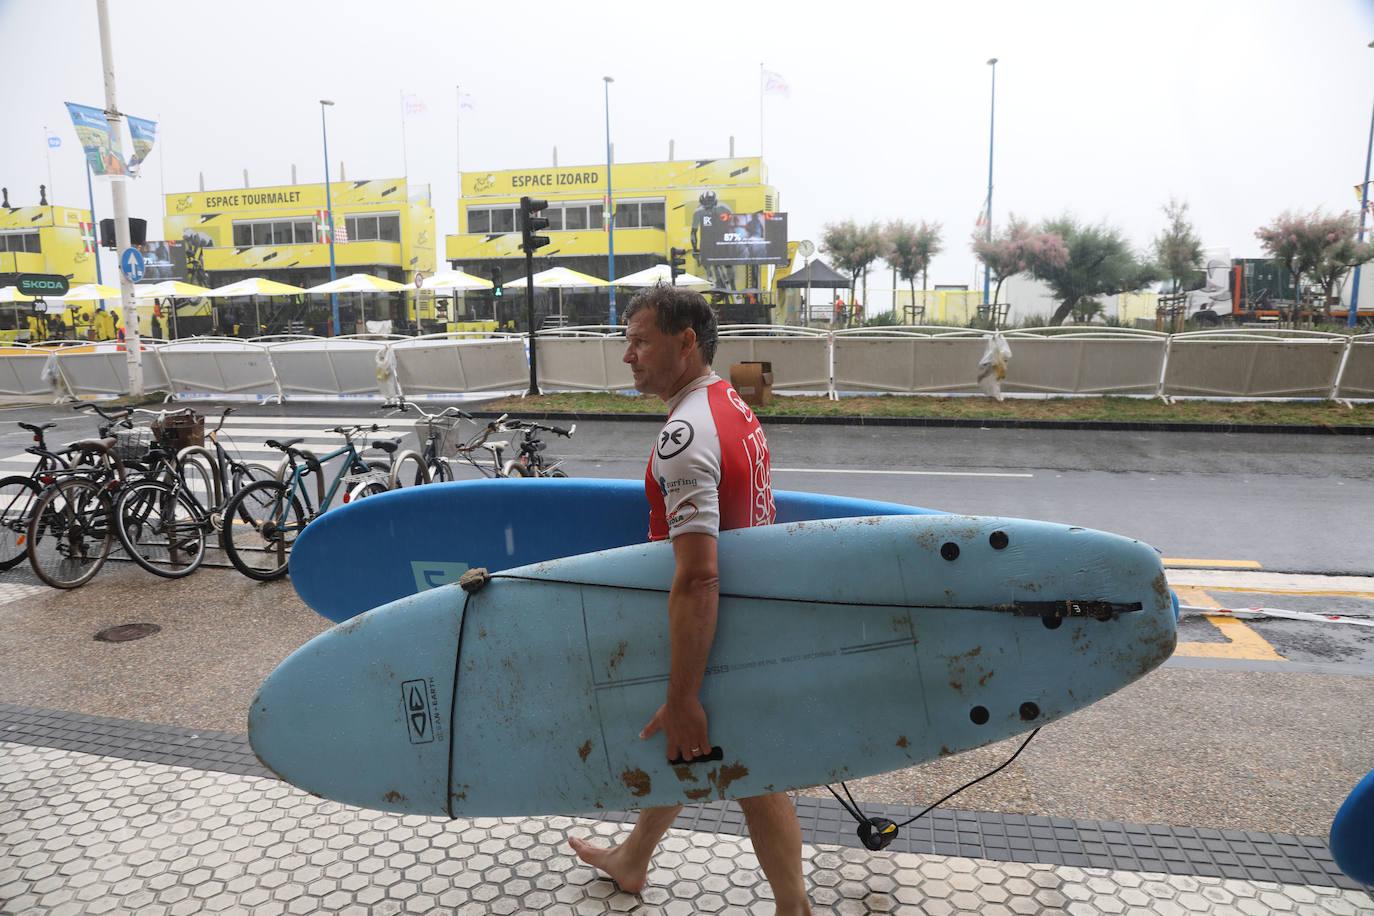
[[629, 877]]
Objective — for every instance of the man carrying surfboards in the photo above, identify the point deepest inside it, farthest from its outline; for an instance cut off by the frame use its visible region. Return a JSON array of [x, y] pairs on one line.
[[709, 471]]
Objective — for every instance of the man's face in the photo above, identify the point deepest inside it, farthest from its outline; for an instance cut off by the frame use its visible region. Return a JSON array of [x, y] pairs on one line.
[[657, 360]]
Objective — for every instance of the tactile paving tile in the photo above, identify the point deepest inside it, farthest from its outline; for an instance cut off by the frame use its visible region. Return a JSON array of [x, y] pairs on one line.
[[87, 834], [1175, 850]]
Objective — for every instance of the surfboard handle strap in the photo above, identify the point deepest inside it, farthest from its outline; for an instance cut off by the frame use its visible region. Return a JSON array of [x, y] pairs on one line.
[[717, 753], [877, 833]]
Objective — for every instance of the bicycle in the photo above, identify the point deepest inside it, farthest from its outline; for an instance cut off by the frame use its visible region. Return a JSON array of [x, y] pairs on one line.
[[438, 433], [530, 462], [18, 493], [162, 522], [494, 450], [262, 520], [71, 530]]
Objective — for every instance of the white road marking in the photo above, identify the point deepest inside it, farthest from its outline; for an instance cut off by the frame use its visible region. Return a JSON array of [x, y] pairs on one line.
[[898, 473]]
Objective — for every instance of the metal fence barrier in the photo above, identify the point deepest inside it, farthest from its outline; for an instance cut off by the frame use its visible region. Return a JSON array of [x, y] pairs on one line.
[[1085, 361], [586, 358], [319, 366], [1261, 363], [461, 362], [217, 365], [1357, 373], [1241, 363]]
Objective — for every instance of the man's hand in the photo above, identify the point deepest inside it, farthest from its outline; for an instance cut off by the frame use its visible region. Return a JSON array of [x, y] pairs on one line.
[[684, 724]]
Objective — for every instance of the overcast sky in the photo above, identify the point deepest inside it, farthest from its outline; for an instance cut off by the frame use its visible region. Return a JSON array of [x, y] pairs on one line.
[[1243, 108]]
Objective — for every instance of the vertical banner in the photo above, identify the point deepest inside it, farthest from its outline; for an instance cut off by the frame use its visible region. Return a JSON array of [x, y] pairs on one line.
[[93, 132], [144, 133]]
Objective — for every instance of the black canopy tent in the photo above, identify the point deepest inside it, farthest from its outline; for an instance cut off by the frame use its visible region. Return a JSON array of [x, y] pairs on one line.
[[819, 275]]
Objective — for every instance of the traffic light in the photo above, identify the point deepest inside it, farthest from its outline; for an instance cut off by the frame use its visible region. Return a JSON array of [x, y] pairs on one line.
[[496, 291], [531, 224], [677, 262]]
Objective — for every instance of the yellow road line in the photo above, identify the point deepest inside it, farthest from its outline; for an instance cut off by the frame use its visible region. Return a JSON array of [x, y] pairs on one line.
[[1218, 564], [1242, 641], [1271, 590]]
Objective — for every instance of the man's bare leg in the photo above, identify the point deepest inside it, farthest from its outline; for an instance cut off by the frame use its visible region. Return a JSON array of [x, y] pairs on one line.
[[628, 863], [776, 835]]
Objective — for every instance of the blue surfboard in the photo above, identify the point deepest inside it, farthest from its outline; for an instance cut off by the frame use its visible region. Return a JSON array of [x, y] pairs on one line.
[[365, 554], [1352, 833], [844, 648]]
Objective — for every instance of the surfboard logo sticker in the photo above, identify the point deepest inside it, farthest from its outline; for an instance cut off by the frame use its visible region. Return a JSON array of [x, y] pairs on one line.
[[434, 573], [674, 439], [418, 712]]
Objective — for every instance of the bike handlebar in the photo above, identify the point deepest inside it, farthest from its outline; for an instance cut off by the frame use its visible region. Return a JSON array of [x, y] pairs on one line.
[[401, 405]]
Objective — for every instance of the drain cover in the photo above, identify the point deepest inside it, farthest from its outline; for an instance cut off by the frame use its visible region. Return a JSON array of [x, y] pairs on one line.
[[127, 631]]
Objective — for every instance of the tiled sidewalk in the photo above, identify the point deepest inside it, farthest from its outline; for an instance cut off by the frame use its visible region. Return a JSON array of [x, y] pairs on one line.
[[81, 833]]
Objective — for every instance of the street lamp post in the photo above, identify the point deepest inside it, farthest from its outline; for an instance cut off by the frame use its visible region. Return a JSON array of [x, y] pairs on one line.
[[1352, 318], [329, 208], [992, 126], [610, 202]]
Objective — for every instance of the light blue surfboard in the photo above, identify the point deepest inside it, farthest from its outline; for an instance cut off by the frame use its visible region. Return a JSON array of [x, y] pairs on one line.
[[365, 554], [844, 648]]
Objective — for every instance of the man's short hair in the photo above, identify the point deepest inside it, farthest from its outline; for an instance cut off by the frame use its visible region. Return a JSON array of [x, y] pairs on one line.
[[677, 309]]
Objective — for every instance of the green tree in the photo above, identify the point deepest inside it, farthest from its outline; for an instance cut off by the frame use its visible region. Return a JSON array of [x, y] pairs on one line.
[[1177, 249], [1100, 263]]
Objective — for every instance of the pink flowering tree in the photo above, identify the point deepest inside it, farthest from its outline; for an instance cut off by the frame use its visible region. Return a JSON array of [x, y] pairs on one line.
[[909, 248], [1019, 249], [1316, 245]]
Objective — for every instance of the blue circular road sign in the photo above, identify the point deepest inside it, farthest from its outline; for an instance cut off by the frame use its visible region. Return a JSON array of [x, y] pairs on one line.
[[133, 264]]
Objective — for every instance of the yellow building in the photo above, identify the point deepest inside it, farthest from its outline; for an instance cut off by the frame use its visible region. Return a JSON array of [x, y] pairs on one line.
[[383, 227], [656, 205], [44, 240]]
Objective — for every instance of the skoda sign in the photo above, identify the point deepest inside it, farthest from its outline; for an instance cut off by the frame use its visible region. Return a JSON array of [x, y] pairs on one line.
[[42, 285]]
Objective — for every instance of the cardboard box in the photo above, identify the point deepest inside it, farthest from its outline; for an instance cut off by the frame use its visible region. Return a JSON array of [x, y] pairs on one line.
[[754, 382]]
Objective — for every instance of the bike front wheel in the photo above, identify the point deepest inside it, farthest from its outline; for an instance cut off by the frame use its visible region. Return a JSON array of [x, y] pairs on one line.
[[439, 471], [160, 529], [17, 497], [71, 533], [261, 524]]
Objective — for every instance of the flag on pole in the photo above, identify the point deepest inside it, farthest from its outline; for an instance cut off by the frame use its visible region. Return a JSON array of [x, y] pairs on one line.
[[54, 141], [465, 101], [322, 226], [93, 131], [87, 236], [144, 133], [774, 84], [413, 104], [983, 215]]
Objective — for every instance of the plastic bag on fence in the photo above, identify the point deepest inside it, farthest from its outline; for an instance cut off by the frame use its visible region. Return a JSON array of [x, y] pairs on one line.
[[379, 327], [992, 367], [387, 384], [53, 376]]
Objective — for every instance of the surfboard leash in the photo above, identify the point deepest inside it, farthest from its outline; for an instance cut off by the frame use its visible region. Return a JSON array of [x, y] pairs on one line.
[[876, 833]]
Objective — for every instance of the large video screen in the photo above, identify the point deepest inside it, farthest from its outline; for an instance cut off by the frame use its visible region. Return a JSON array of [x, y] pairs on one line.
[[744, 238]]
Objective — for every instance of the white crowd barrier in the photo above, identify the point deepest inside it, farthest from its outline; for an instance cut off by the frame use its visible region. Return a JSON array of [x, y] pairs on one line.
[[218, 365], [1357, 374], [1260, 363], [1240, 363], [1085, 361], [318, 366], [453, 363], [583, 359]]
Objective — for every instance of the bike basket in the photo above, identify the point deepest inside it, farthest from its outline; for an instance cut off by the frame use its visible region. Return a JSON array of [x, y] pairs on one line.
[[132, 444], [449, 443], [180, 431]]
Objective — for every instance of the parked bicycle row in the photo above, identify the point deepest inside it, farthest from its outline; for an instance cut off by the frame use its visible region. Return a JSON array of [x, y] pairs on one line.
[[164, 495]]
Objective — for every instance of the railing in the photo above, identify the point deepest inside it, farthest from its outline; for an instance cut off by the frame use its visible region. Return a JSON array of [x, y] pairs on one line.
[[1260, 363]]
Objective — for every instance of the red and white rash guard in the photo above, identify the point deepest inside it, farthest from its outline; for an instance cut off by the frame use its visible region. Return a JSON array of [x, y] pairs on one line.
[[709, 470]]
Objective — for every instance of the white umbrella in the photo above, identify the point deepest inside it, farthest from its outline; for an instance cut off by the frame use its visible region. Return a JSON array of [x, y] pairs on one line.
[[659, 273], [12, 294], [359, 283], [456, 281], [559, 278], [88, 292], [170, 289], [255, 287]]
